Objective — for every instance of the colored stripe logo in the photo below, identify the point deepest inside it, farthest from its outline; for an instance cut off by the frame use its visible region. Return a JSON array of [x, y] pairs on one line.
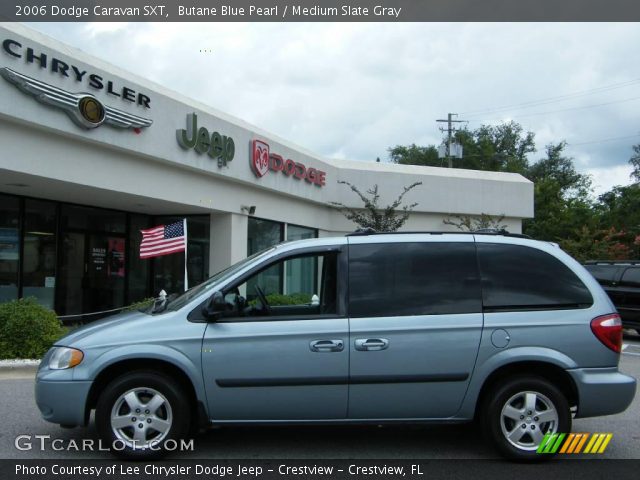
[[574, 443]]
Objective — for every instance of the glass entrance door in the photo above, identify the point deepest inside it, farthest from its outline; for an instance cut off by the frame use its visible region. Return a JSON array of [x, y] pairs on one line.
[[93, 273], [104, 288]]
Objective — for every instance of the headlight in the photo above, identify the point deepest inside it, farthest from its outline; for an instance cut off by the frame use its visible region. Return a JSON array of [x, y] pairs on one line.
[[64, 357]]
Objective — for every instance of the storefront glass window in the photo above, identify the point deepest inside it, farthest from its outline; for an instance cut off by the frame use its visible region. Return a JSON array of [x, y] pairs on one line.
[[93, 264], [9, 247], [302, 273], [85, 218], [39, 265], [138, 268], [168, 270], [264, 234]]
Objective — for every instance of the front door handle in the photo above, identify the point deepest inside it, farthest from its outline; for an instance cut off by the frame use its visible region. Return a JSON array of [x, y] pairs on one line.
[[326, 345], [371, 344]]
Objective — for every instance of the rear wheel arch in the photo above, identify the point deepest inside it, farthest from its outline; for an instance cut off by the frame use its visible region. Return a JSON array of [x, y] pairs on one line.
[[552, 373]]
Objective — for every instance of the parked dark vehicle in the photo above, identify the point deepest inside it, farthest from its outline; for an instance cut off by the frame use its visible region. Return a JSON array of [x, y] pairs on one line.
[[621, 281]]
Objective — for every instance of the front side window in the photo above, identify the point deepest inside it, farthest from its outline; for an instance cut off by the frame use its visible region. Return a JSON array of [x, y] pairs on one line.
[[296, 286], [387, 280], [515, 277]]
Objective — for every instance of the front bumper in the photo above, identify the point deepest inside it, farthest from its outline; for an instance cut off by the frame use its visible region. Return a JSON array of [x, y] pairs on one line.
[[62, 401], [602, 391]]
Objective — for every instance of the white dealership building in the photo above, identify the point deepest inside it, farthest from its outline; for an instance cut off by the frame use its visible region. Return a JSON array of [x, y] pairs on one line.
[[92, 154]]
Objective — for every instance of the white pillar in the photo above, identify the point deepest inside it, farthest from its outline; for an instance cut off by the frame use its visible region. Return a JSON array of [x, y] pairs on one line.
[[228, 240]]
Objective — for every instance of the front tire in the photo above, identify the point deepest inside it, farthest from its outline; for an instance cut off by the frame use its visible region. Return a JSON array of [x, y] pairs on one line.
[[519, 412], [137, 413]]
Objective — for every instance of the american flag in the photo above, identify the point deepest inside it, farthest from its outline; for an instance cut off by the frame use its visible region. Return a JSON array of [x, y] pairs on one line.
[[163, 240]]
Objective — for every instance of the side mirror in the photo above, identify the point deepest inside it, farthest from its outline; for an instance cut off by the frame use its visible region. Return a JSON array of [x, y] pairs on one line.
[[215, 306]]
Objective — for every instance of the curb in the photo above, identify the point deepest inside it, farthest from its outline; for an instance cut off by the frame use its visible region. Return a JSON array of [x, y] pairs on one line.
[[18, 366]]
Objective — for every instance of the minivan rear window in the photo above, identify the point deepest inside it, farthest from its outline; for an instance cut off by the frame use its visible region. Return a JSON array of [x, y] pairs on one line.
[[400, 279], [516, 277]]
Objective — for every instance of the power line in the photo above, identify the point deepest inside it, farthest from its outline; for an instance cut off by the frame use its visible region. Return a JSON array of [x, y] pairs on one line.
[[564, 109], [558, 98], [610, 139]]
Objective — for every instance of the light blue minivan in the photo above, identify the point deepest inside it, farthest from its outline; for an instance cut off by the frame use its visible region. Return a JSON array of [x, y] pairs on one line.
[[367, 328]]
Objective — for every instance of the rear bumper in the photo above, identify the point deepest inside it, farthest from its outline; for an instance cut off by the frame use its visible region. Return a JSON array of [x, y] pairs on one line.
[[602, 391]]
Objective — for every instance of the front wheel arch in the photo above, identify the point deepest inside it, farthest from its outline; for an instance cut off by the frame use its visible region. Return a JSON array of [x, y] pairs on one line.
[[122, 367]]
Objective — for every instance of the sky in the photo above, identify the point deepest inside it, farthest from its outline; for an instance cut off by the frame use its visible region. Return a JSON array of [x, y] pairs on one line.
[[352, 90]]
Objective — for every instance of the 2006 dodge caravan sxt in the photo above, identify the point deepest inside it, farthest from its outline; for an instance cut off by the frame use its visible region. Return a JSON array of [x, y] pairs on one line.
[[364, 328]]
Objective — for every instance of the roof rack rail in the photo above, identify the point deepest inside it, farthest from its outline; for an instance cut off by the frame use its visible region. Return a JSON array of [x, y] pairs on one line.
[[612, 262], [484, 231]]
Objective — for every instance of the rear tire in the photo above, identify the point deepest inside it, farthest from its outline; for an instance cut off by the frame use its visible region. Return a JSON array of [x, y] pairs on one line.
[[137, 413], [517, 414]]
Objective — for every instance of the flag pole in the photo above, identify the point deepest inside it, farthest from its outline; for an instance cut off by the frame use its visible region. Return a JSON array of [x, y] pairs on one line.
[[186, 280]]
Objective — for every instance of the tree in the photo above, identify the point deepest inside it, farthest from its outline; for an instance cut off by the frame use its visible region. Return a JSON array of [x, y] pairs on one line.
[[562, 204], [387, 219], [634, 161], [620, 208], [597, 244], [470, 224], [414, 155], [499, 148]]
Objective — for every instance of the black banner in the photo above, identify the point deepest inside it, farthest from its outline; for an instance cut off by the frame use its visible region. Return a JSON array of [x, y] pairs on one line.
[[319, 10], [316, 469]]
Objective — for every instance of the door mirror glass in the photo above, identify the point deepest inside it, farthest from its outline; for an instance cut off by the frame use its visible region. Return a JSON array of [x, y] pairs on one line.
[[215, 307]]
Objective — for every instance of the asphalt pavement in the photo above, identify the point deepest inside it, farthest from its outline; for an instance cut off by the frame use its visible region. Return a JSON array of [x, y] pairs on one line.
[[20, 416]]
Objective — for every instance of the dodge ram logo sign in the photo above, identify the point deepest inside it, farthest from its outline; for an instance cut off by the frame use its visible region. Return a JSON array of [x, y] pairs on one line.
[[262, 160]]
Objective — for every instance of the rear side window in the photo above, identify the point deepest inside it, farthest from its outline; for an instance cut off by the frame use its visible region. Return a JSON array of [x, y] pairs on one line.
[[522, 278], [413, 279], [631, 277]]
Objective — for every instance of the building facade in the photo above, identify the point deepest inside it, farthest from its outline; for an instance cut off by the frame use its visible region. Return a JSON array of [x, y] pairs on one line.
[[92, 154]]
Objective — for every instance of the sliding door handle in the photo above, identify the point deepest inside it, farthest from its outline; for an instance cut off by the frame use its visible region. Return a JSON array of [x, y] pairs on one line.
[[326, 345], [371, 344]]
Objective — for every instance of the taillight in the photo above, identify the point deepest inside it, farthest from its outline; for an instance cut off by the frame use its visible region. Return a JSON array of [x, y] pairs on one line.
[[608, 329]]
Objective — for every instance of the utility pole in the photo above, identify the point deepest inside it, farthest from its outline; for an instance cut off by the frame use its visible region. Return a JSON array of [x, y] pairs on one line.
[[450, 130]]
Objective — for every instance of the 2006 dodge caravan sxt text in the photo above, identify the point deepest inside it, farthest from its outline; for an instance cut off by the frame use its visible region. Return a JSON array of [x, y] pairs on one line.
[[369, 328]]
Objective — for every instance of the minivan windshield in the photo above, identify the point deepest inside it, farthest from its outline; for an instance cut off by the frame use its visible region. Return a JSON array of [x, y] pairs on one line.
[[211, 282]]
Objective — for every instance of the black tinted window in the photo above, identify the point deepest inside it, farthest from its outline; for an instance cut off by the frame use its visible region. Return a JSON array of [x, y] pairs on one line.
[[605, 274], [413, 279], [631, 277], [517, 277]]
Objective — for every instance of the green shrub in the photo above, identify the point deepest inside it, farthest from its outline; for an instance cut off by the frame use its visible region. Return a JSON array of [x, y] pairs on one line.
[[142, 304], [27, 329], [291, 299]]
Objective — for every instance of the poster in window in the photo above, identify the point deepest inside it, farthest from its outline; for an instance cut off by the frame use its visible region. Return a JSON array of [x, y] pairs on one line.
[[9, 244], [115, 263]]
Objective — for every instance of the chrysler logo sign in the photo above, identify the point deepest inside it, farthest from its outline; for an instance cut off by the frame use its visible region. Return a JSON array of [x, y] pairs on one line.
[[83, 108], [262, 160]]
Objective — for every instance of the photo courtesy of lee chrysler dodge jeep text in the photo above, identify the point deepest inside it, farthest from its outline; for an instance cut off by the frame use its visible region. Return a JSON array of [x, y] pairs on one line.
[[367, 328]]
